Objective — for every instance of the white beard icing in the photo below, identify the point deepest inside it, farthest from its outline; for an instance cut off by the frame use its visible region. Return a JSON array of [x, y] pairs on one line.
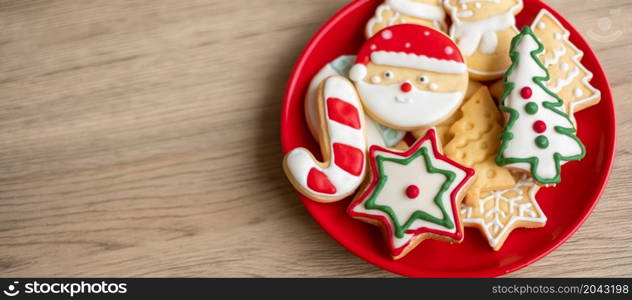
[[414, 109], [479, 34]]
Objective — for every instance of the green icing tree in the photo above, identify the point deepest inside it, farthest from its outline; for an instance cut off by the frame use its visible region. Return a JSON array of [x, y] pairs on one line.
[[539, 136]]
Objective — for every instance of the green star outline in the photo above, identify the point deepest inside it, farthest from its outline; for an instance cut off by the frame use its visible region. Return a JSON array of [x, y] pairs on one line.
[[419, 214]]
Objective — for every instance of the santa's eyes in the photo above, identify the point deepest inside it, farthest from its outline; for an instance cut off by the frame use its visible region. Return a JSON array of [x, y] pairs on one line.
[[423, 79], [388, 74]]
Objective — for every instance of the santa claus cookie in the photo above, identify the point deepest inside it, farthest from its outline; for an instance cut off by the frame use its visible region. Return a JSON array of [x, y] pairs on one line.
[[538, 136], [342, 144], [413, 195], [422, 12], [410, 76], [483, 30], [376, 134]]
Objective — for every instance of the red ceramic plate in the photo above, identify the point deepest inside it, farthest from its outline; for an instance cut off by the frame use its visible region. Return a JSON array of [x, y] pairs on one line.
[[567, 205]]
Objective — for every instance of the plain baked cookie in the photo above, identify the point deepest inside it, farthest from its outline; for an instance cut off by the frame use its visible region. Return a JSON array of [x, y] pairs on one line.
[[475, 144]]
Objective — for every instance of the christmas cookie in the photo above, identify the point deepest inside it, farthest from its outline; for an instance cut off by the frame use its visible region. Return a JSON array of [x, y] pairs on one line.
[[443, 128], [410, 77], [497, 213], [413, 195], [483, 30], [377, 134], [539, 136], [569, 79], [342, 144], [422, 12], [475, 145]]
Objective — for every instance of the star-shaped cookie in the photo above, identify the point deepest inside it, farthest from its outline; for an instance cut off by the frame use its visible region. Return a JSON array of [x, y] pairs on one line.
[[413, 195], [498, 213]]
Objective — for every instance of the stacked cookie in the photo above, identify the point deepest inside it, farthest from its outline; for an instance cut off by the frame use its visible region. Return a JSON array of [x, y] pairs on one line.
[[471, 160]]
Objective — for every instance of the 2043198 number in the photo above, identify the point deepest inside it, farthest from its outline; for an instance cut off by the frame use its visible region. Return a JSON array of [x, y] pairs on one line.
[[605, 289]]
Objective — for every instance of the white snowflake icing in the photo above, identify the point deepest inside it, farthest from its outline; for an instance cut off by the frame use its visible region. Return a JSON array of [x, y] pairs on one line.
[[494, 229]]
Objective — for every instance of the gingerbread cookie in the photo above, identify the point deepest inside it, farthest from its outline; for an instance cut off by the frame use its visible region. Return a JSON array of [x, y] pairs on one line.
[[377, 134], [539, 136], [413, 195], [483, 29], [569, 78], [422, 12], [497, 213], [410, 77], [342, 144], [475, 145]]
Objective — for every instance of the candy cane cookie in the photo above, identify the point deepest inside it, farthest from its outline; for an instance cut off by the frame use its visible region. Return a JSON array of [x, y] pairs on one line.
[[342, 142]]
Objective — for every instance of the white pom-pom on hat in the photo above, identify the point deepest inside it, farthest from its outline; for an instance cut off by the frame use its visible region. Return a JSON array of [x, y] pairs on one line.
[[358, 72]]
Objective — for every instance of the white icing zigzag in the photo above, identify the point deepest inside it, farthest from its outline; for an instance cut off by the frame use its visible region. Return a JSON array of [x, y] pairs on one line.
[[557, 54], [562, 82]]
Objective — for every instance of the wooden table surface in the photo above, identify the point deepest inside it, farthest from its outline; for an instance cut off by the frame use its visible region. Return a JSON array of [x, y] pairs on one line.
[[141, 138]]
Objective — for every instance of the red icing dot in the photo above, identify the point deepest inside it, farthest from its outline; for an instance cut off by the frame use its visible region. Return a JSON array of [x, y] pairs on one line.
[[406, 87], [539, 126], [526, 92], [412, 191]]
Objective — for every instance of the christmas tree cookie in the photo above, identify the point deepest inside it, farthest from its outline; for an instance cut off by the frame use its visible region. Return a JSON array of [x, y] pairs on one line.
[[569, 79], [475, 144], [413, 195], [539, 136]]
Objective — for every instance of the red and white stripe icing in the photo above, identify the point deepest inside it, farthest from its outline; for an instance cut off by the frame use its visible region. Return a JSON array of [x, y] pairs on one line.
[[347, 144]]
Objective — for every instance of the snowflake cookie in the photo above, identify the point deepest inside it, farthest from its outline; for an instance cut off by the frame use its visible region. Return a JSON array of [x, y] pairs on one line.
[[498, 213]]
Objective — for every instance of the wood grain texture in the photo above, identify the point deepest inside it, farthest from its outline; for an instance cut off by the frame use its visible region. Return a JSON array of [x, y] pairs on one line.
[[141, 138]]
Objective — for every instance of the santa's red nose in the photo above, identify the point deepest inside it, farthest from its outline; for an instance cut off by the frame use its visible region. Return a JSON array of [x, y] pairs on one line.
[[406, 87]]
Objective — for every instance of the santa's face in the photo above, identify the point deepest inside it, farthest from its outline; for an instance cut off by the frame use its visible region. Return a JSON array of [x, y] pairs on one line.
[[475, 10], [410, 99]]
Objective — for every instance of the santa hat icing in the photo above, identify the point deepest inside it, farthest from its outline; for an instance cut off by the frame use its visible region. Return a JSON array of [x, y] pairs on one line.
[[409, 46]]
